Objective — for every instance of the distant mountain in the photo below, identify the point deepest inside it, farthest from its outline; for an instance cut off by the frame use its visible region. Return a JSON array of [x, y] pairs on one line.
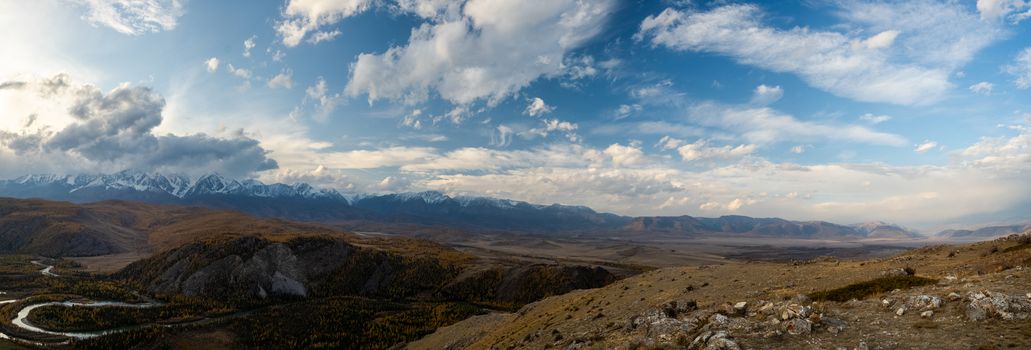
[[984, 232], [883, 230], [306, 203]]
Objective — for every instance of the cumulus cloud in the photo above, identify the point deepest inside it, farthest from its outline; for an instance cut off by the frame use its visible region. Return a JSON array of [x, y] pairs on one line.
[[301, 17], [502, 137], [764, 94], [865, 69], [554, 125], [96, 130], [537, 107], [319, 37], [248, 45], [284, 79], [211, 64], [134, 17], [491, 51]]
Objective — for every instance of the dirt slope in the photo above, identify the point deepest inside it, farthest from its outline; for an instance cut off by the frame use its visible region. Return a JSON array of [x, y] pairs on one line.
[[979, 300]]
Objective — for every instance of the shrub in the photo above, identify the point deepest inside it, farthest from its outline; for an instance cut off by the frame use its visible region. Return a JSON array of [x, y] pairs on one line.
[[864, 289]]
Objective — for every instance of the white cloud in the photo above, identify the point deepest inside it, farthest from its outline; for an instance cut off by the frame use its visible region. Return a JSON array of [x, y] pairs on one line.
[[324, 36], [496, 48], [882, 40], [982, 88], [765, 125], [239, 72], [841, 63], [284, 79], [552, 125], [798, 149], [301, 17], [667, 142], [324, 101], [764, 94], [699, 151], [537, 107], [926, 146], [997, 10], [134, 17], [625, 110], [212, 64], [874, 118], [624, 155], [1021, 69], [248, 45]]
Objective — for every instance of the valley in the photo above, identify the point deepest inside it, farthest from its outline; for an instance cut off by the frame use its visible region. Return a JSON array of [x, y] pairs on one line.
[[115, 274]]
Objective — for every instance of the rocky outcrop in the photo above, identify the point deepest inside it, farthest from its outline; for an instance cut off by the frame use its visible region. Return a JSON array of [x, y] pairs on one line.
[[987, 304]]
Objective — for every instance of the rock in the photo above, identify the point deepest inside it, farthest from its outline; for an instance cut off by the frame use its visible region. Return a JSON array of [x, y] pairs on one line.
[[862, 346], [886, 303], [718, 340], [675, 308], [954, 296], [800, 299], [927, 314], [741, 307], [834, 325], [924, 302], [987, 304], [798, 326], [900, 311], [898, 271], [719, 319]]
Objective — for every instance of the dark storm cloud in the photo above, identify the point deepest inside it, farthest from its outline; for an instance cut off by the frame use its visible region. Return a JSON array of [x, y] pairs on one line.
[[234, 157], [116, 129]]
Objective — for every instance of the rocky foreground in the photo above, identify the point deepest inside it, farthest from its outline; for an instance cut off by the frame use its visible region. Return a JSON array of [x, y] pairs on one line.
[[974, 296]]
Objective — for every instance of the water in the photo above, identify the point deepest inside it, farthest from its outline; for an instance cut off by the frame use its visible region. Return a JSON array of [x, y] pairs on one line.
[[21, 321]]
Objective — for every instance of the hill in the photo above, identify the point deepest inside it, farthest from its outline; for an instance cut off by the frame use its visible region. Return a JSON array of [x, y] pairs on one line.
[[957, 295]]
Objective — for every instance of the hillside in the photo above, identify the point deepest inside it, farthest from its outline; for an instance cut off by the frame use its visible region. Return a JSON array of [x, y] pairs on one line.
[[58, 229], [958, 294]]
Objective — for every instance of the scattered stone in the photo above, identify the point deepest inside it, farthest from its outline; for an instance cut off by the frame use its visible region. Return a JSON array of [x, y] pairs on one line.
[[741, 307], [927, 314], [900, 311], [954, 296], [798, 326], [924, 302], [718, 340], [834, 325]]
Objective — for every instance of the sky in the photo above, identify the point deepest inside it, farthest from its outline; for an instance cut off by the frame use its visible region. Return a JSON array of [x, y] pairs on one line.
[[912, 112]]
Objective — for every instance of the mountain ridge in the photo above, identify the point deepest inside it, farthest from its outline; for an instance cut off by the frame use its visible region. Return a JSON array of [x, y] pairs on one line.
[[301, 201]]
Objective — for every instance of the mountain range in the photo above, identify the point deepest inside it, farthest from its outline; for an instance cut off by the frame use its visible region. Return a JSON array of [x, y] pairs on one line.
[[304, 202]]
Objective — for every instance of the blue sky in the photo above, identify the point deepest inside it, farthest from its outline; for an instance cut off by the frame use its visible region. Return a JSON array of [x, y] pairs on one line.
[[915, 112]]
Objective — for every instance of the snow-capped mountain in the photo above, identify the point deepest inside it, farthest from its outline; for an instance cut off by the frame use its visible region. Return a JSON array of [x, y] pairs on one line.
[[303, 202], [83, 187]]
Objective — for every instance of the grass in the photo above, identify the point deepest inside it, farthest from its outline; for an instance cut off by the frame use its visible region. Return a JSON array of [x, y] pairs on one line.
[[862, 290]]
